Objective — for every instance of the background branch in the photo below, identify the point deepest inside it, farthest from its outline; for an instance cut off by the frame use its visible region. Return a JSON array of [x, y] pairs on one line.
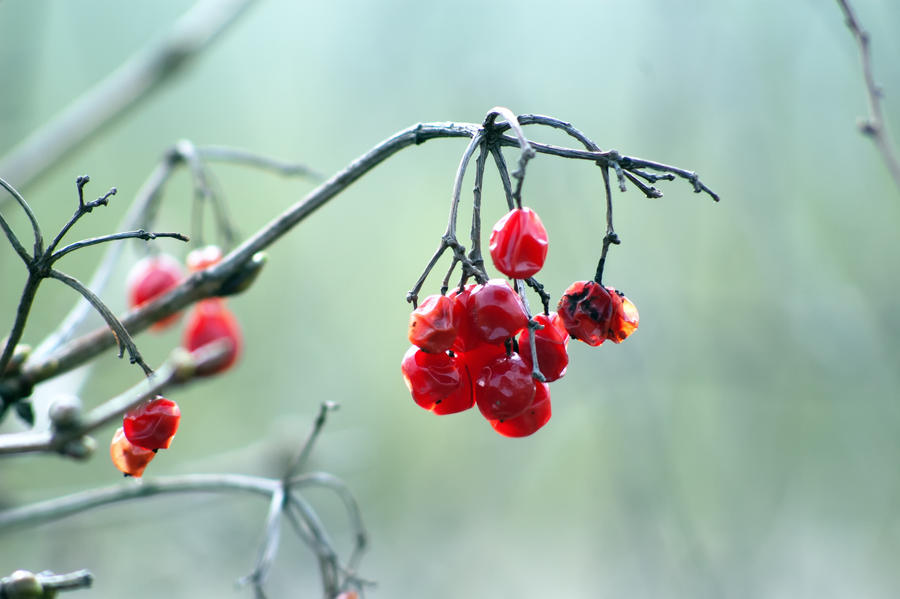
[[874, 127], [123, 89]]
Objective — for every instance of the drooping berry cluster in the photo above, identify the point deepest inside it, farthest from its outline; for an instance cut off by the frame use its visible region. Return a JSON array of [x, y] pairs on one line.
[[478, 345], [151, 426]]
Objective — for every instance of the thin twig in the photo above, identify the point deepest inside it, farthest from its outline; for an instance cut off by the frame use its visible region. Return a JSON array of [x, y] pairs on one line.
[[139, 234], [123, 338], [133, 82], [874, 127], [13, 240], [48, 583], [299, 460]]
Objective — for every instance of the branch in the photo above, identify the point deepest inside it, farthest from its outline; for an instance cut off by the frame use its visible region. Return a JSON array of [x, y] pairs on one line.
[[139, 234], [874, 127], [23, 583], [180, 369], [122, 89], [210, 282]]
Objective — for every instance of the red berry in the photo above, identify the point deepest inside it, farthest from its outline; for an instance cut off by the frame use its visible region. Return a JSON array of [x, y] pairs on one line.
[[128, 458], [550, 342], [533, 418], [152, 425], [586, 310], [202, 258], [625, 317], [518, 244], [496, 311], [433, 325], [465, 335], [211, 320], [504, 388], [437, 382], [150, 278]]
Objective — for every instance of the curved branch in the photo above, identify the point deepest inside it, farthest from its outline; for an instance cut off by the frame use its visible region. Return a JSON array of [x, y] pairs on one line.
[[61, 507]]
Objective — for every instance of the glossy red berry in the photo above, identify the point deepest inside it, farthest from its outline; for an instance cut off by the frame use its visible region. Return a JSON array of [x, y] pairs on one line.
[[465, 334], [152, 425], [586, 309], [437, 382], [433, 325], [129, 459], [150, 278], [504, 388], [496, 311], [518, 244], [211, 320], [625, 317], [551, 343], [202, 258], [533, 418]]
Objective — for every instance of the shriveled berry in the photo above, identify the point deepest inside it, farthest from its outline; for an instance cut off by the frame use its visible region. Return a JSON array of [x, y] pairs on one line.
[[496, 311], [202, 258], [533, 418], [211, 320], [150, 278], [518, 244], [129, 459], [437, 382], [504, 388], [586, 310], [433, 325], [152, 425], [625, 317], [551, 343]]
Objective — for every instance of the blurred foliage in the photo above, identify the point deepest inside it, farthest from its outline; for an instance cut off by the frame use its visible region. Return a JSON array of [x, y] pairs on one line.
[[743, 443]]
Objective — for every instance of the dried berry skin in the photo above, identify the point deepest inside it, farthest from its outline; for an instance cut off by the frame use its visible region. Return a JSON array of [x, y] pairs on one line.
[[150, 278], [625, 317], [586, 310], [211, 320], [533, 418], [129, 459], [518, 244], [437, 382], [152, 425], [433, 325], [551, 343], [496, 311], [203, 258], [504, 388]]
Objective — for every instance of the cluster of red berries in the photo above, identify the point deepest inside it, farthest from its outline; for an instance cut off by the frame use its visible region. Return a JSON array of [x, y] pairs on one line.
[[473, 346], [151, 426]]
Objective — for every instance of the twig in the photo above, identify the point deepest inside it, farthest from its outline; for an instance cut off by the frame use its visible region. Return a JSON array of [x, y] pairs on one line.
[[139, 234], [124, 88], [874, 127], [300, 459], [38, 236], [23, 583]]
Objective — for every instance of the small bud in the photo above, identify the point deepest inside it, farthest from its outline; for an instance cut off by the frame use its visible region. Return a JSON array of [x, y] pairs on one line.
[[79, 449], [241, 280], [65, 411], [22, 584]]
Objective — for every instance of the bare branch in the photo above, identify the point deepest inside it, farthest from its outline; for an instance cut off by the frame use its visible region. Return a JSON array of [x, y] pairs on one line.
[[38, 236], [300, 459], [139, 234], [180, 369], [875, 126], [23, 583], [123, 89]]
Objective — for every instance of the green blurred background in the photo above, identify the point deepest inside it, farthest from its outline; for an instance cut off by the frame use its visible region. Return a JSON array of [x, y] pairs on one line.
[[743, 443]]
